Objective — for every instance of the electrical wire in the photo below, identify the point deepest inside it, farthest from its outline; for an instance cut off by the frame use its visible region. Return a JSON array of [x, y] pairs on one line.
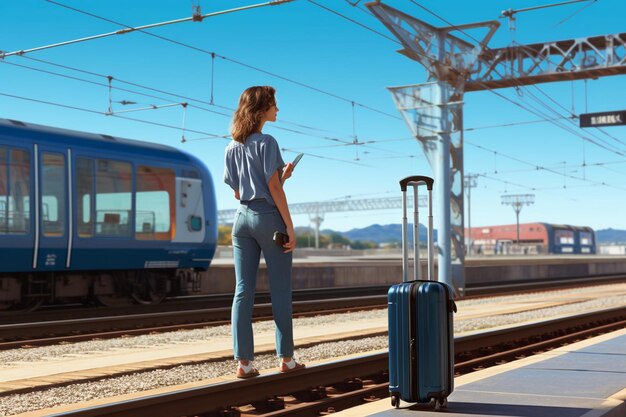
[[214, 54], [576, 12], [134, 84], [325, 157], [333, 139], [157, 97], [66, 106], [324, 92], [538, 167], [519, 84], [355, 21], [469, 129]]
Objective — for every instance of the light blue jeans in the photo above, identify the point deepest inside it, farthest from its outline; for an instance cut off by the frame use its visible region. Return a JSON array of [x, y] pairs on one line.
[[253, 230]]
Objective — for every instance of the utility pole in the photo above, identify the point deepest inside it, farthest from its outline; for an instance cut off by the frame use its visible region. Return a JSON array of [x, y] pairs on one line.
[[469, 183], [517, 201], [317, 217]]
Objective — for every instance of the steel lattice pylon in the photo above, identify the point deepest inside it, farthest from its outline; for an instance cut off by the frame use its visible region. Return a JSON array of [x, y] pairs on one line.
[[434, 110], [317, 209], [321, 207]]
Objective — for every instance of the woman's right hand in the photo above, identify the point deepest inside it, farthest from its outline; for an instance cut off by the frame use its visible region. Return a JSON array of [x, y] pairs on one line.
[[291, 245], [287, 170]]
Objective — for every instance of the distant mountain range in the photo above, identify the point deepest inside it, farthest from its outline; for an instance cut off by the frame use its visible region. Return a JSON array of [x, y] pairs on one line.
[[611, 236], [389, 233]]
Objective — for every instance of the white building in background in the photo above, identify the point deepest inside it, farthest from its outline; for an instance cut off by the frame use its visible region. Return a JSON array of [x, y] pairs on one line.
[[612, 249]]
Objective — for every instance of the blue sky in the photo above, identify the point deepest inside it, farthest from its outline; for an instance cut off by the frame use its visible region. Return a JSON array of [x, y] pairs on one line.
[[320, 63]]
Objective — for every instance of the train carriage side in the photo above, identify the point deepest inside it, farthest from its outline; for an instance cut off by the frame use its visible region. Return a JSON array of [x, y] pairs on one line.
[[585, 240], [143, 213], [561, 239]]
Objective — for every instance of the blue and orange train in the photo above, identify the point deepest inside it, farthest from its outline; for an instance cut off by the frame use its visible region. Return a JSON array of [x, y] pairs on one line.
[[86, 216]]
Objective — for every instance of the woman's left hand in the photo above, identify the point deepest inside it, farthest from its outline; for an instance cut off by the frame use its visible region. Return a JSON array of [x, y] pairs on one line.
[[291, 245], [287, 170]]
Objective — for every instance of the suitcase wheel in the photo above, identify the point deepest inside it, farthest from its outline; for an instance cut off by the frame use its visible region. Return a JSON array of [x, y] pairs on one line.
[[395, 400], [440, 403]]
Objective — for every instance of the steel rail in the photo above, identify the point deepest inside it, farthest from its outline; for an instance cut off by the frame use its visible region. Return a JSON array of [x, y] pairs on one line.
[[194, 401], [80, 329], [167, 321]]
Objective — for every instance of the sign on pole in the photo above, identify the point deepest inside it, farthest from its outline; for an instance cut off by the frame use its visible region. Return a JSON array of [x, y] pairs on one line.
[[607, 118]]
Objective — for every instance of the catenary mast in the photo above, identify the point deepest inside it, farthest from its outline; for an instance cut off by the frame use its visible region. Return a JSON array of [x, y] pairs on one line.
[[433, 110]]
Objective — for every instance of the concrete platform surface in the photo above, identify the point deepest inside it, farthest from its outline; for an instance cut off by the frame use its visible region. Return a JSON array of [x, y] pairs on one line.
[[585, 379]]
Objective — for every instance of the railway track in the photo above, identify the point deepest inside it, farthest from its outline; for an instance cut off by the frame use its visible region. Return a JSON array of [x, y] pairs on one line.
[[51, 332], [306, 302], [339, 384], [176, 304]]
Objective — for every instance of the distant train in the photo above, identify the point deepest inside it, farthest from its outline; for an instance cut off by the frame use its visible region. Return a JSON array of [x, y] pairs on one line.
[[534, 238], [88, 216]]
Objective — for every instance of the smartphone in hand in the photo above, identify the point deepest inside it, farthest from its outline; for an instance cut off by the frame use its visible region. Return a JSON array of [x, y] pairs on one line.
[[297, 159]]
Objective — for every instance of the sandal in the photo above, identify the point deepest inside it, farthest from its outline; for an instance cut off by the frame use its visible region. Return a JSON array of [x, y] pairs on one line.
[[246, 371], [291, 366]]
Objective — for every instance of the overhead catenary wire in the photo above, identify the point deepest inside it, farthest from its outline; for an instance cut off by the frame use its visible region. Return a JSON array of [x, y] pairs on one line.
[[67, 106], [608, 148], [522, 46], [211, 135], [154, 96], [188, 98], [510, 183], [535, 112], [214, 54], [192, 99], [539, 167], [109, 86], [139, 28]]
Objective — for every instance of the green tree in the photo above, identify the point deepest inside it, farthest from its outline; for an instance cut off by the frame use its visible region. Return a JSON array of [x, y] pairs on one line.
[[363, 244], [224, 235], [337, 240]]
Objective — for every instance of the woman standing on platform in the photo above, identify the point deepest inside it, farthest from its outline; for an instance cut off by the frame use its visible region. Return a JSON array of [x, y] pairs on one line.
[[255, 170]]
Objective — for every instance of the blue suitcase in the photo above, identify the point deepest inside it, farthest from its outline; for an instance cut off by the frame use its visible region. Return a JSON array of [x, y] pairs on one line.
[[421, 357]]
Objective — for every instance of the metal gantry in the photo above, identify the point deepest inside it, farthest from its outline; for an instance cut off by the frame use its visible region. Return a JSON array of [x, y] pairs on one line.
[[316, 210], [433, 111]]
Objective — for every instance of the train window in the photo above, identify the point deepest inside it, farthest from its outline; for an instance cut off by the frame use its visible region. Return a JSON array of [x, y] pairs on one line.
[[113, 198], [194, 223], [154, 203], [16, 191], [586, 238], [53, 194], [84, 196], [564, 237]]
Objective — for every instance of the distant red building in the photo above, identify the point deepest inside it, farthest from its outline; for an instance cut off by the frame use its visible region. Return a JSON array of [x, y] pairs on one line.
[[533, 238]]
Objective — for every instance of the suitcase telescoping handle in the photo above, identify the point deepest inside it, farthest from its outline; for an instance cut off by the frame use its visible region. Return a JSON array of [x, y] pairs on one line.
[[415, 181]]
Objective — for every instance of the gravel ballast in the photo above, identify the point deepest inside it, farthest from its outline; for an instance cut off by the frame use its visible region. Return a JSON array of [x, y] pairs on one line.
[[19, 403]]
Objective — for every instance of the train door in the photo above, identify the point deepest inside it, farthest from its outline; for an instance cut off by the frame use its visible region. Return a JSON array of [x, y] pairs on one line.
[[190, 221], [16, 234], [52, 212]]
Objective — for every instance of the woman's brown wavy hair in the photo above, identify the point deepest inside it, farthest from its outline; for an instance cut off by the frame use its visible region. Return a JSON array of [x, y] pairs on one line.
[[253, 104]]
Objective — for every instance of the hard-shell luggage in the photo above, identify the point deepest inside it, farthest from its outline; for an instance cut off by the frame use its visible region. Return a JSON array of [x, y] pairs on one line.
[[421, 357]]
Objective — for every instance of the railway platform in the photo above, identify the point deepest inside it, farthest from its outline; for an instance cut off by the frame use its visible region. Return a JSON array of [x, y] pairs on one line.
[[585, 379]]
